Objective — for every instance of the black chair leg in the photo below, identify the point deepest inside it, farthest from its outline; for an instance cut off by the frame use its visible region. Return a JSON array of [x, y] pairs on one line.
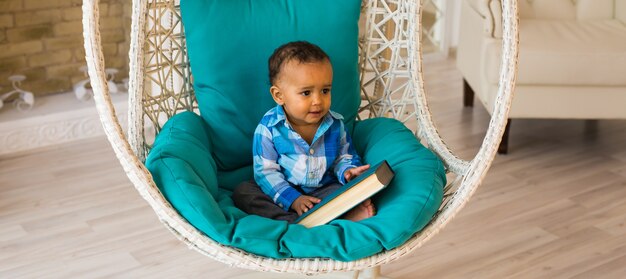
[[503, 148], [468, 95], [591, 129]]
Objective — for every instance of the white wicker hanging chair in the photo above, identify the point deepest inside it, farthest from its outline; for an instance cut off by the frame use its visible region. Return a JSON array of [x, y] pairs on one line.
[[390, 53]]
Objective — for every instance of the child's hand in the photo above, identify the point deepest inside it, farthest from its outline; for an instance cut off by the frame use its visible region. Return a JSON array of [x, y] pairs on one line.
[[303, 203], [354, 172]]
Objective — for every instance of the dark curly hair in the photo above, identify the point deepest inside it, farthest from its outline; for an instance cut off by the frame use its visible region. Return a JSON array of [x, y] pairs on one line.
[[301, 51]]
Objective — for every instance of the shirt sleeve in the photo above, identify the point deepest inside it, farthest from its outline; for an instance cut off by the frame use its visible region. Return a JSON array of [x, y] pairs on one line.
[[348, 158], [267, 172]]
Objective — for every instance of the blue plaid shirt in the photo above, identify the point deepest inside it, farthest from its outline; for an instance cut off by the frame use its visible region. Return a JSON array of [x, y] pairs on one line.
[[283, 159]]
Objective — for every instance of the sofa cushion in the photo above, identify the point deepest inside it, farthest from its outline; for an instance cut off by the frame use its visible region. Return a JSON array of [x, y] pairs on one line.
[[594, 9], [565, 9], [620, 10], [566, 52]]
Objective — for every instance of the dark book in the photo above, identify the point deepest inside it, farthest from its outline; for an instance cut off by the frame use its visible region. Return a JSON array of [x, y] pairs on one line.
[[350, 195]]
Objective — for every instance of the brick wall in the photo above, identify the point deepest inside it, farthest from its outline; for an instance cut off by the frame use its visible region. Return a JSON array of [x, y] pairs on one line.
[[42, 39]]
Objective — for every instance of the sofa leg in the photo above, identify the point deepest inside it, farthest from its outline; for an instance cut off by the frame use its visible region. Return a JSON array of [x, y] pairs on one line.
[[503, 148], [468, 95], [591, 128]]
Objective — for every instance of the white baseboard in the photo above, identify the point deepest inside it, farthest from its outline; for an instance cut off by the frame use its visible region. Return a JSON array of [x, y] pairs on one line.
[[53, 120]]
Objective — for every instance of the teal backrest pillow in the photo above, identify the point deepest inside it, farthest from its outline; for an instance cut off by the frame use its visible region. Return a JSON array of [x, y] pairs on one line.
[[229, 42]]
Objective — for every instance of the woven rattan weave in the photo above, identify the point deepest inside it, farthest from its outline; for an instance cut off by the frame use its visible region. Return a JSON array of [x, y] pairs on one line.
[[392, 86]]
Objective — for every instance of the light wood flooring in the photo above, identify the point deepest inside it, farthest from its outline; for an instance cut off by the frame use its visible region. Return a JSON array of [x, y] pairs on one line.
[[555, 207]]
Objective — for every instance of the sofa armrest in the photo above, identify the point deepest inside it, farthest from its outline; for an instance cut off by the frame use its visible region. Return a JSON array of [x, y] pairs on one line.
[[620, 10], [476, 30], [495, 9], [491, 12]]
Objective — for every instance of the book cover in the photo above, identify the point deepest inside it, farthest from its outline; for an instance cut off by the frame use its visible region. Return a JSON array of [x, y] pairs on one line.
[[350, 195]]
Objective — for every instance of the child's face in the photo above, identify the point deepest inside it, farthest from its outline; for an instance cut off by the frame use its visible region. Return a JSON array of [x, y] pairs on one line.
[[303, 89]]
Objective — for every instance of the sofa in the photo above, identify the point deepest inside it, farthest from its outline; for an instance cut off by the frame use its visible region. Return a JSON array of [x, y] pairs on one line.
[[572, 58]]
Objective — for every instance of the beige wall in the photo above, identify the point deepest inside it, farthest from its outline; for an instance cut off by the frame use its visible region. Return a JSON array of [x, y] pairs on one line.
[[42, 39]]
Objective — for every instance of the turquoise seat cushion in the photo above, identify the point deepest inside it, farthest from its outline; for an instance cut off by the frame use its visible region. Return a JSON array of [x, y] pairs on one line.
[[182, 165], [229, 43]]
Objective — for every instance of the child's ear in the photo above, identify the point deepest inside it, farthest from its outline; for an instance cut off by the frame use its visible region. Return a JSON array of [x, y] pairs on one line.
[[277, 95]]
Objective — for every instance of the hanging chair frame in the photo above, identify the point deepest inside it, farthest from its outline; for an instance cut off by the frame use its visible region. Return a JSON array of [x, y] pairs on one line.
[[405, 15]]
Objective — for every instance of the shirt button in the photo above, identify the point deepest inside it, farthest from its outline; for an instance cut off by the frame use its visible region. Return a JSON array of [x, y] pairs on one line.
[[311, 151]]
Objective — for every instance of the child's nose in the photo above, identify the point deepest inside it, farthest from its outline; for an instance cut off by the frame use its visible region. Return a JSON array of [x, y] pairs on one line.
[[317, 98]]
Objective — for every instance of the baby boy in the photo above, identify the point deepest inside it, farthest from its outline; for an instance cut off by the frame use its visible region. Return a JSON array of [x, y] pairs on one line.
[[302, 152]]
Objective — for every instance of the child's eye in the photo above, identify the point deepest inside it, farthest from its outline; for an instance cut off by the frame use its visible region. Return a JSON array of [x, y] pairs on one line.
[[326, 90], [305, 93]]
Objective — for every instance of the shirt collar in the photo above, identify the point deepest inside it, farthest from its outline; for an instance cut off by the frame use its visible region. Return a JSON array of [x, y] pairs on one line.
[[279, 116]]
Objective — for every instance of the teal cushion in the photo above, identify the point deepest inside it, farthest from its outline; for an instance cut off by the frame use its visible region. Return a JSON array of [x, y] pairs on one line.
[[183, 168], [229, 43]]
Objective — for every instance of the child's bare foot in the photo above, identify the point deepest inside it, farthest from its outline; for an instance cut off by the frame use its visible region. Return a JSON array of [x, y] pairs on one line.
[[362, 211]]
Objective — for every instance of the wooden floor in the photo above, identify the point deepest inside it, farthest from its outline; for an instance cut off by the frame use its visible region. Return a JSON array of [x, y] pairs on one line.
[[555, 207]]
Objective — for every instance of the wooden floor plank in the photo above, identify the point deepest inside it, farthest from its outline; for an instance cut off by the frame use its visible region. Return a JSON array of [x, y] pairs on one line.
[[554, 207]]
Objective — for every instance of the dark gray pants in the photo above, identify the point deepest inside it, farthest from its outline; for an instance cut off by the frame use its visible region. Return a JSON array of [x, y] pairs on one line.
[[249, 197]]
